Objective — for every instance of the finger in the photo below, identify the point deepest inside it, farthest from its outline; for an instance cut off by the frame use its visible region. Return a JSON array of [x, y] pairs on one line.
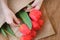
[[11, 22], [39, 5], [28, 9], [8, 19], [34, 3], [16, 20], [14, 24], [25, 9]]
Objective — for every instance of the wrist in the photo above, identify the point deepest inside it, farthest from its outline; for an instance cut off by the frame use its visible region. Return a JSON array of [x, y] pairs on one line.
[[4, 3]]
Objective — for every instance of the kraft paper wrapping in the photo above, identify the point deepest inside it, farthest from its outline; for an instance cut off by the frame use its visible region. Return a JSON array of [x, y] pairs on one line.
[[15, 6], [2, 20], [47, 29]]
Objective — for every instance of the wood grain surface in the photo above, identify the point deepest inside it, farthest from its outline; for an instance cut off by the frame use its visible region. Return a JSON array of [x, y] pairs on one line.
[[52, 8]]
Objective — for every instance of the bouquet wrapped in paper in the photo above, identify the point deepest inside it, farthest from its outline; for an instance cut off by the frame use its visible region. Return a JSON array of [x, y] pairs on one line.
[[16, 6]]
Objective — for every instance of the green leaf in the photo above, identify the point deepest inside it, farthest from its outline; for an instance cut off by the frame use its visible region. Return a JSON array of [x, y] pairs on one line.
[[3, 32], [25, 18], [9, 30]]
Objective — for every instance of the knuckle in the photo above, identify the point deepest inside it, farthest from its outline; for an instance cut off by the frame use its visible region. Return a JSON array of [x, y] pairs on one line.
[[9, 22]]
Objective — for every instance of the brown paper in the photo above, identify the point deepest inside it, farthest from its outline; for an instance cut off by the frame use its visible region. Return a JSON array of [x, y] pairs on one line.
[[2, 37], [47, 29], [15, 6], [2, 20]]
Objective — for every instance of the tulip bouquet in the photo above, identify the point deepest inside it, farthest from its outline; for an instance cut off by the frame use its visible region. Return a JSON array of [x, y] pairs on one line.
[[31, 22]]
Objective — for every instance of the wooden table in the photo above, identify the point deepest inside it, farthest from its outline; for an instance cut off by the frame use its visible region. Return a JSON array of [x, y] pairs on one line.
[[52, 8]]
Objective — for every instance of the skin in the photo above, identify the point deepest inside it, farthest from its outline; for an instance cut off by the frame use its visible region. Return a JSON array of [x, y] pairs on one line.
[[10, 17], [36, 5]]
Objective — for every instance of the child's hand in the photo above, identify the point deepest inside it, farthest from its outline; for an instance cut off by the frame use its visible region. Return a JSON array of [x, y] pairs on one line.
[[36, 4], [10, 17]]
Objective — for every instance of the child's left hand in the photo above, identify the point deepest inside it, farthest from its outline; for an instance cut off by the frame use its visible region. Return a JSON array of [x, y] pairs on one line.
[[36, 4]]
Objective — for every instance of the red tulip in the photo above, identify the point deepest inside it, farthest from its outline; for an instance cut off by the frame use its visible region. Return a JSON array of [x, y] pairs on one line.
[[26, 37], [33, 33], [35, 25], [41, 22], [24, 29], [35, 14]]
